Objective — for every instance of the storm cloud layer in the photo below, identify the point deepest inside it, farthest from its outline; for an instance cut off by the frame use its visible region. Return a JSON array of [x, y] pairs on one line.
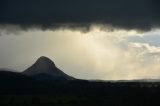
[[127, 14]]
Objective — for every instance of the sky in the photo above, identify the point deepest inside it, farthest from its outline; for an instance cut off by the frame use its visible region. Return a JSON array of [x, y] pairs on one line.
[[90, 39]]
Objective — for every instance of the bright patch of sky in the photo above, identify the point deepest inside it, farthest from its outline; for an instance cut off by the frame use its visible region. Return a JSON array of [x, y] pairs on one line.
[[97, 54]]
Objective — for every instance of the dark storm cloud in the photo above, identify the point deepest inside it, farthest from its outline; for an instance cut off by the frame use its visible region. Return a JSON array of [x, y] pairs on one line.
[[128, 14]]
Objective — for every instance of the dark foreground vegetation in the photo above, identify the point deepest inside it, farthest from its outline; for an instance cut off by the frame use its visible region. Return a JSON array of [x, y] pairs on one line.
[[78, 93]]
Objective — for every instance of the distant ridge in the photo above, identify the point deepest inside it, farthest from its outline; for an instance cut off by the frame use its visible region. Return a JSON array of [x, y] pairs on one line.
[[44, 68]]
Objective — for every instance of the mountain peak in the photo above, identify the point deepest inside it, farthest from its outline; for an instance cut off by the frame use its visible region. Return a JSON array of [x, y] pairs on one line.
[[42, 61], [43, 58], [44, 65]]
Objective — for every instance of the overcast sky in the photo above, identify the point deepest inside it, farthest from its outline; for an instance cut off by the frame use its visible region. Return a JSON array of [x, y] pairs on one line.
[[91, 39]]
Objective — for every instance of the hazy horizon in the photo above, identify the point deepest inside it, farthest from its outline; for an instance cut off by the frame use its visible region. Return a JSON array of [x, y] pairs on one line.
[[95, 54]]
